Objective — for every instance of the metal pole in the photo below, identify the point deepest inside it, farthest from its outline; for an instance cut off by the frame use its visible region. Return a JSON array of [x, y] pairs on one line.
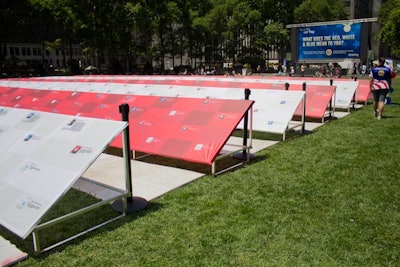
[[245, 155], [124, 110], [303, 127], [286, 86], [330, 102], [132, 203], [247, 93]]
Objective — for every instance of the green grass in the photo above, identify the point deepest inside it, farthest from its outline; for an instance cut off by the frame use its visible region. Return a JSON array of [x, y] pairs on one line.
[[329, 198]]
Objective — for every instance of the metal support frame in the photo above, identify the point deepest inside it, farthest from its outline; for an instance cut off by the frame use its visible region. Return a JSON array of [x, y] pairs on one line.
[[245, 148], [294, 124], [121, 194], [35, 234], [330, 103], [245, 153], [123, 200], [331, 107]]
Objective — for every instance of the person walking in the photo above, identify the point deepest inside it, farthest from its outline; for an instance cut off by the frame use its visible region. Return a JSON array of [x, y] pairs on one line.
[[380, 82], [303, 69]]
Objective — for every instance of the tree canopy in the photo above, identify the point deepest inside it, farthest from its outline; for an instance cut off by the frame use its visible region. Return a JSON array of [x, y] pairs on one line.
[[155, 30], [319, 10], [389, 17]]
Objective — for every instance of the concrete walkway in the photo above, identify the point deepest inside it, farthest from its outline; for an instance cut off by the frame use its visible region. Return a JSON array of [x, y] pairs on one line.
[[149, 181]]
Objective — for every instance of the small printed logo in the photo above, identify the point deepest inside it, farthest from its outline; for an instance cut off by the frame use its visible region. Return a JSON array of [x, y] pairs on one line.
[[30, 166], [81, 149], [198, 147], [32, 137], [31, 116], [28, 203], [71, 122], [328, 52], [28, 137], [144, 123], [76, 149]]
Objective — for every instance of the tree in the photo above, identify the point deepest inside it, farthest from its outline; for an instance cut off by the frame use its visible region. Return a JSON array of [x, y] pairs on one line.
[[121, 30], [14, 22], [62, 12], [212, 25], [174, 41], [389, 17], [276, 36], [283, 10], [319, 10], [229, 29], [143, 29]]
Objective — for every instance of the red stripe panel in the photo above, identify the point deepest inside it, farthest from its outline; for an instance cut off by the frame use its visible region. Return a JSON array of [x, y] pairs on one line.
[[317, 96], [363, 90], [191, 129]]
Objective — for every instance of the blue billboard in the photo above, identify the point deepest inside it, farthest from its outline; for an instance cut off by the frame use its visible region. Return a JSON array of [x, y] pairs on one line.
[[337, 41]]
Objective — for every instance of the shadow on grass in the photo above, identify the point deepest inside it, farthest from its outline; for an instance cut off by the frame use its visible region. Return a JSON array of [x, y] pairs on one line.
[[220, 165], [72, 201], [393, 104], [75, 200], [388, 117]]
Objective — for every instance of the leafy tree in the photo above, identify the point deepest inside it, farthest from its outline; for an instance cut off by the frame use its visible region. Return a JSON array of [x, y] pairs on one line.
[[14, 23], [210, 26], [174, 41], [57, 44], [161, 24], [229, 30], [121, 30], [389, 18], [62, 11], [143, 29], [95, 25], [274, 36], [319, 10], [235, 33], [283, 10]]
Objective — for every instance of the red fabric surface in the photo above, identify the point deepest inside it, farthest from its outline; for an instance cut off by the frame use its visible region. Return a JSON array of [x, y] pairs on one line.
[[191, 129], [317, 96], [317, 100], [363, 91]]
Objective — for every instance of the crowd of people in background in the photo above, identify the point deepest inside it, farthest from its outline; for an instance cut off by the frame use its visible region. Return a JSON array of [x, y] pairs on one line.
[[329, 70]]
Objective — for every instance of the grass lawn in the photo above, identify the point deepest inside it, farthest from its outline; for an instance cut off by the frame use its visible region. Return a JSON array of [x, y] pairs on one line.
[[329, 198]]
